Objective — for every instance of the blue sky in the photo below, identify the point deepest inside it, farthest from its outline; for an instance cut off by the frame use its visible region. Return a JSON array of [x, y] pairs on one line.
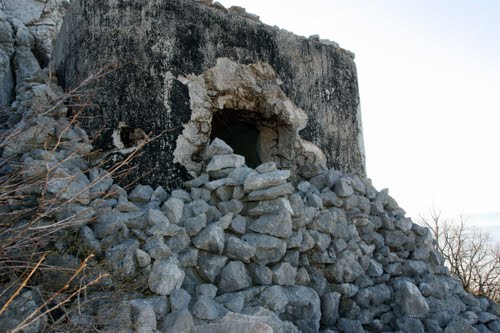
[[429, 78]]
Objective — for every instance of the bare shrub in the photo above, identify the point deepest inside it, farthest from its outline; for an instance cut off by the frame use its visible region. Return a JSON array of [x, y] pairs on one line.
[[470, 253], [33, 221]]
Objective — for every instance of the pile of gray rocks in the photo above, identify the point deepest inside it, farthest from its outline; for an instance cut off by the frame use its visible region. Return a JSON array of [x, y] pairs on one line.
[[240, 247]]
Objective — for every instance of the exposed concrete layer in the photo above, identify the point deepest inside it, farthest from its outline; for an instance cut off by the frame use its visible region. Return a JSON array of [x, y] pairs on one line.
[[155, 43]]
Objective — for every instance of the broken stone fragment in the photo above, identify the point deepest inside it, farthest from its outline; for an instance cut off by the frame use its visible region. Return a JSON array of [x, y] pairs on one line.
[[271, 193], [278, 224], [220, 162], [234, 277], [217, 147], [166, 276], [258, 181]]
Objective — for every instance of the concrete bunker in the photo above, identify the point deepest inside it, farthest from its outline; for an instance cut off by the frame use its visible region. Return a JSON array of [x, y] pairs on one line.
[[244, 106]]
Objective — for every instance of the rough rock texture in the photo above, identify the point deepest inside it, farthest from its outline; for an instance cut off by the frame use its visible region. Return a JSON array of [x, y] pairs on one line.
[[165, 52], [237, 249]]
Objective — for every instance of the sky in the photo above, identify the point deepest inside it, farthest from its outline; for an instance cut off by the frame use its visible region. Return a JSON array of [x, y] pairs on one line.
[[429, 79]]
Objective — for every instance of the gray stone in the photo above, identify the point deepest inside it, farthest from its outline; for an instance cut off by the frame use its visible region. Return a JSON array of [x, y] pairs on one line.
[[279, 224], [156, 248], [123, 205], [284, 274], [121, 258], [239, 224], [395, 238], [266, 167], [143, 258], [199, 207], [255, 182], [179, 242], [234, 277], [269, 249], [89, 240], [232, 206], [494, 326], [343, 188], [216, 147], [460, 326], [215, 184], [269, 207], [486, 317], [408, 324], [238, 249], [224, 193], [330, 308], [237, 323], [110, 223], [330, 199], [178, 322], [195, 224], [6, 80], [174, 208], [260, 274], [179, 299], [25, 63], [69, 185], [211, 265], [205, 308], [271, 193], [160, 225], [375, 269], [220, 162], [197, 182], [210, 239], [144, 316], [141, 194], [166, 276], [238, 176], [346, 269], [350, 326], [181, 194], [410, 300], [208, 290], [159, 194]]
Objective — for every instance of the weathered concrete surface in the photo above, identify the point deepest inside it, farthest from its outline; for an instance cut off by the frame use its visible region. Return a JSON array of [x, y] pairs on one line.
[[157, 43]]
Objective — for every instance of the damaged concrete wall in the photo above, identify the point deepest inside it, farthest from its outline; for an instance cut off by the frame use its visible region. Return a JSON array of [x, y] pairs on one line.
[[156, 44]]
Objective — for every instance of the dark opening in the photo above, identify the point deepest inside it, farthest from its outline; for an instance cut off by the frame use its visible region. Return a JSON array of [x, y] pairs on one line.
[[238, 131], [127, 136]]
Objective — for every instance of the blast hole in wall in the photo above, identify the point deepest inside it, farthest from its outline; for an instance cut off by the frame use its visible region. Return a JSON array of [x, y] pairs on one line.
[[239, 130]]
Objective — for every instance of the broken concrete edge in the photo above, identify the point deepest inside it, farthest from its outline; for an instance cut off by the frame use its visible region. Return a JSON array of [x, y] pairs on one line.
[[254, 90], [242, 13]]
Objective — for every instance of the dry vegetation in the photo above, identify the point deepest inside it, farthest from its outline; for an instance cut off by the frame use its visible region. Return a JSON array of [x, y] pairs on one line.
[[470, 254]]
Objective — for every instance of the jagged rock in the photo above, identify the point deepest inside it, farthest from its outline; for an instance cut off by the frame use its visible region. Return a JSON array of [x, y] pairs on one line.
[[278, 225], [166, 276], [121, 257], [141, 194], [208, 290], [205, 308], [195, 224], [460, 326], [236, 323], [234, 277], [217, 147], [220, 162], [145, 316], [411, 301], [238, 249], [180, 299], [255, 182], [210, 239], [268, 249], [284, 274], [211, 265], [178, 321], [271, 193]]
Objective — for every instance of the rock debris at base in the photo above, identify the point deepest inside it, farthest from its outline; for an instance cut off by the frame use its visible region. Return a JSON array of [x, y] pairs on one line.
[[236, 249]]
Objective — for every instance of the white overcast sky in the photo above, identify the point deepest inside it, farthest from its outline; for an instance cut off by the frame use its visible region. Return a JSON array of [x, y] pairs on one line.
[[429, 79]]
